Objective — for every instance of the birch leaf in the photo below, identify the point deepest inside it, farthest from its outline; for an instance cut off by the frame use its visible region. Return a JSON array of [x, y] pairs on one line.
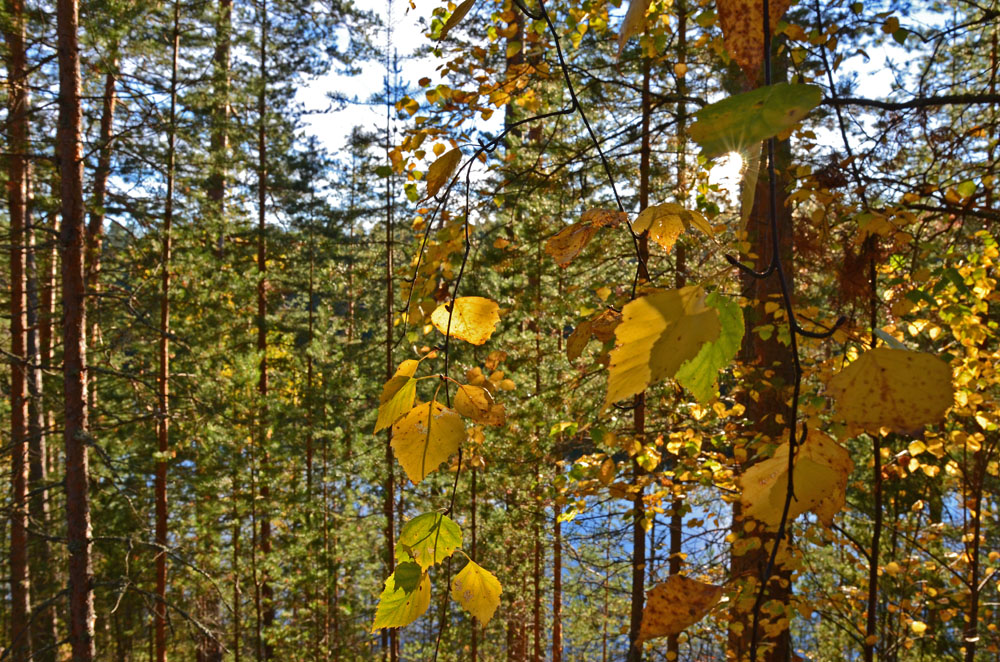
[[472, 319], [477, 590], [428, 539], [441, 170], [427, 436], [893, 388], [657, 334], [397, 395], [635, 21], [822, 467], [398, 607], [456, 17], [676, 604], [476, 403], [571, 240], [578, 340]]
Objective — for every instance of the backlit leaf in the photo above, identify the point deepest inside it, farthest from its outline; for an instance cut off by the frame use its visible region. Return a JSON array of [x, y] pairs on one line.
[[456, 17], [477, 590], [894, 388], [427, 436], [699, 375], [428, 539], [578, 340], [635, 21], [476, 403], [398, 607], [743, 30], [472, 319], [397, 395], [739, 122], [441, 170], [819, 480], [657, 334], [676, 604], [667, 221], [571, 240]]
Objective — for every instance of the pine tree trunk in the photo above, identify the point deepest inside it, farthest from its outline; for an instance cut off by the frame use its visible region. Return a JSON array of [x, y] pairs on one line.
[[76, 431], [219, 136], [95, 227], [17, 198], [163, 382]]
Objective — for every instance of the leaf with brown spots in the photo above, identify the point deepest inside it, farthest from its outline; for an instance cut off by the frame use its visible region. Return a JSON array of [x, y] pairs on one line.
[[676, 604], [743, 30], [893, 388], [571, 240]]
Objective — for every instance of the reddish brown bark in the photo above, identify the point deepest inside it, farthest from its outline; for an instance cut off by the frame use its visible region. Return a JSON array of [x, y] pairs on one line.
[[76, 430], [17, 195]]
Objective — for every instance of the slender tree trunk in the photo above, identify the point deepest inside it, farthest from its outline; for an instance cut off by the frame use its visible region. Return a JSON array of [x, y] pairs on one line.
[[17, 198], [389, 504], [76, 432], [43, 629], [237, 600], [556, 585], [163, 397], [473, 625], [219, 136], [639, 413], [95, 227]]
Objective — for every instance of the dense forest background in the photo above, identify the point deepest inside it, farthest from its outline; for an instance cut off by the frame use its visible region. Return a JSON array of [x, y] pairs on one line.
[[208, 311]]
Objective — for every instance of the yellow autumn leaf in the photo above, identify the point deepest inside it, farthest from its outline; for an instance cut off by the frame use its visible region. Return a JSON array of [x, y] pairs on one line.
[[657, 334], [398, 607], [397, 395], [427, 436], [456, 17], [578, 340], [440, 171], [675, 605], [667, 221], [893, 388], [822, 467], [918, 627], [477, 590], [477, 404], [571, 240], [471, 319]]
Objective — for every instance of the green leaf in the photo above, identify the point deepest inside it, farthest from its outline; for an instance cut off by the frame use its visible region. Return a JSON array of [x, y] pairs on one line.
[[427, 436], [407, 576], [428, 539], [699, 374], [966, 188], [737, 123], [477, 590], [657, 334], [398, 607], [383, 170]]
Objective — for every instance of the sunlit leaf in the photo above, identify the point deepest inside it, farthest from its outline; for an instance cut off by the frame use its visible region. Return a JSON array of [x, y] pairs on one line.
[[477, 590], [893, 388], [397, 395], [578, 340], [441, 170], [476, 403], [472, 319], [822, 467], [699, 374], [456, 17], [667, 221], [738, 123], [428, 539], [398, 607], [571, 240], [635, 21], [676, 604], [743, 30], [657, 334], [427, 436]]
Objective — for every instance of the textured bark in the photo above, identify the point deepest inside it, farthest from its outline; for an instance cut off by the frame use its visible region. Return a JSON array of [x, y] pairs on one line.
[[17, 198], [76, 431], [556, 586]]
